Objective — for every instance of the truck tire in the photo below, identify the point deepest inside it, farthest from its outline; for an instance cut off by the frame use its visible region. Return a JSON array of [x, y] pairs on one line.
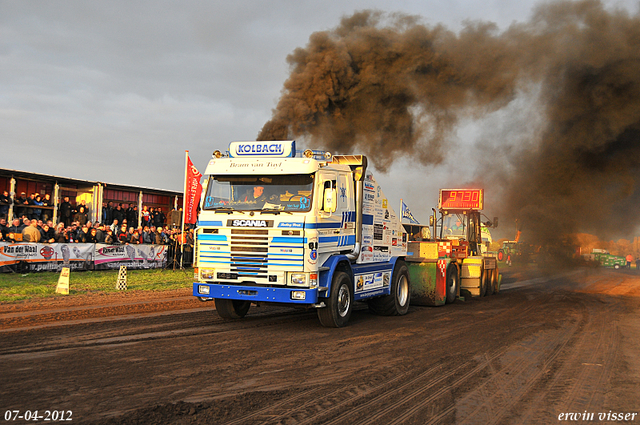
[[488, 281], [500, 255], [397, 302], [339, 304], [232, 309], [452, 283]]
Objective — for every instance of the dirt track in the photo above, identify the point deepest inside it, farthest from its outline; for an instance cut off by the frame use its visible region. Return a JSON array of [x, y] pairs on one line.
[[568, 342]]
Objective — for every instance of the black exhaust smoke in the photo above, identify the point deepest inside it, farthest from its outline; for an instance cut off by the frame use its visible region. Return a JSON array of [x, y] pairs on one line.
[[382, 83]]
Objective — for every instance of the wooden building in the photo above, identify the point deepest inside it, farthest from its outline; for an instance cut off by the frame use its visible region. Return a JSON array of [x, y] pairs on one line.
[[94, 193]]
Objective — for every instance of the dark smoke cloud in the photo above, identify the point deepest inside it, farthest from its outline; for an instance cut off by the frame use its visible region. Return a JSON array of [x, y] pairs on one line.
[[394, 88], [584, 172], [387, 83]]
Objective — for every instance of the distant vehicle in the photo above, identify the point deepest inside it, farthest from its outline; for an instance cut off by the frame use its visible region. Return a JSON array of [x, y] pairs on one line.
[[606, 259], [507, 251]]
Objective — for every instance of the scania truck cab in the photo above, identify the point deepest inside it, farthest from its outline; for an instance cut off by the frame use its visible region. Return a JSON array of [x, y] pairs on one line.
[[304, 229]]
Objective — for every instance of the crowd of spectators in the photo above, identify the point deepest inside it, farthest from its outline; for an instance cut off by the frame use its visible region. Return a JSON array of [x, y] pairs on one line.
[[121, 224], [27, 205]]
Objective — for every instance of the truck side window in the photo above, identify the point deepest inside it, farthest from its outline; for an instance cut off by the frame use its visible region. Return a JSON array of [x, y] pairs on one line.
[[328, 184]]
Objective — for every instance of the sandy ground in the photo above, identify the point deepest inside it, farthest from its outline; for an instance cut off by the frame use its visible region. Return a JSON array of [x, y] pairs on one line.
[[549, 344]]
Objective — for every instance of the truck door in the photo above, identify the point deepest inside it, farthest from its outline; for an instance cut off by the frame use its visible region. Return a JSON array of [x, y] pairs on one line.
[[336, 225]]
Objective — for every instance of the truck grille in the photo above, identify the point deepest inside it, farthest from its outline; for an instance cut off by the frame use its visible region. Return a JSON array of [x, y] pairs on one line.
[[249, 252]]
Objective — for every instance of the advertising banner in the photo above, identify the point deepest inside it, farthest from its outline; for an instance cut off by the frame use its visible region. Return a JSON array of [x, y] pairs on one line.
[[132, 256], [35, 257]]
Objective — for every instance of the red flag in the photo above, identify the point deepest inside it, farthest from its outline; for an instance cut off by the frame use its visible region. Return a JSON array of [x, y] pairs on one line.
[[193, 189]]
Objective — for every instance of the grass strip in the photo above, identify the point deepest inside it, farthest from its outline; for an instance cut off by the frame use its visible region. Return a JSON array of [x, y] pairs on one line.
[[16, 287]]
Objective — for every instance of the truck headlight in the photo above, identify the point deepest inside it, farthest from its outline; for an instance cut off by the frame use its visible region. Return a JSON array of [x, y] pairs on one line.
[[298, 279], [203, 289], [298, 295], [207, 274]]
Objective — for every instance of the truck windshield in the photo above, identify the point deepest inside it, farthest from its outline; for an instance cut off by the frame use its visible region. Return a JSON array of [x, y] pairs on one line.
[[259, 193], [454, 226]]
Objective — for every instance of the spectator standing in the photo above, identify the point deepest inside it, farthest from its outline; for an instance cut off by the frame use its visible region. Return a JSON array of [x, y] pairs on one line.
[[118, 214], [47, 234], [20, 203], [46, 212], [15, 229], [159, 218], [60, 233], [123, 236], [5, 203], [157, 236], [108, 237], [107, 213], [16, 226], [81, 216], [84, 205], [65, 211], [4, 228], [81, 235], [145, 216], [188, 248], [31, 232], [37, 212], [91, 236], [146, 235], [132, 216], [136, 237], [31, 212], [99, 232]]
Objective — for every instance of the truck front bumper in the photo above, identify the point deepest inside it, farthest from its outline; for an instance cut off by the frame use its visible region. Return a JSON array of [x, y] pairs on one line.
[[291, 295]]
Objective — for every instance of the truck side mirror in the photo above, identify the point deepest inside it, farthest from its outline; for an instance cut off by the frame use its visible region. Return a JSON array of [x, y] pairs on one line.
[[431, 220], [329, 200]]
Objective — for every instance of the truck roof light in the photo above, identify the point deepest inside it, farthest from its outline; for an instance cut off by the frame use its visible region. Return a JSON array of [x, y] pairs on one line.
[[217, 154], [309, 153]]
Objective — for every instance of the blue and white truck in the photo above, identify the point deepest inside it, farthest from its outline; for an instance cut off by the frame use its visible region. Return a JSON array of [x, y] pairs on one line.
[[304, 229]]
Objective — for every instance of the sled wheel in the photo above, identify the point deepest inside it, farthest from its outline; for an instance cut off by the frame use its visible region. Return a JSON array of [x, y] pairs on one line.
[[483, 283], [232, 309], [488, 281], [452, 283], [339, 304], [397, 302]]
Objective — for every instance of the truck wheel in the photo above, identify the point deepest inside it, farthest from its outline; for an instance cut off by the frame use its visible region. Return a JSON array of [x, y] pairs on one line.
[[397, 302], [488, 281], [500, 255], [232, 309], [483, 283], [339, 304], [616, 266], [452, 283]]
